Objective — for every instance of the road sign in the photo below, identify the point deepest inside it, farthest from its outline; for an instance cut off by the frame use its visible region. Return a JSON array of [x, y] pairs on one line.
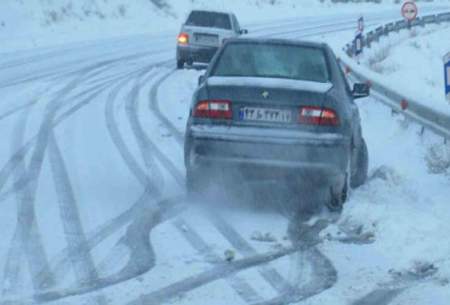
[[409, 10], [447, 75], [358, 43]]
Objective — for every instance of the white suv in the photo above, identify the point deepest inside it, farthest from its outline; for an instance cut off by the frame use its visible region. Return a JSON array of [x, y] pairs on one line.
[[203, 33]]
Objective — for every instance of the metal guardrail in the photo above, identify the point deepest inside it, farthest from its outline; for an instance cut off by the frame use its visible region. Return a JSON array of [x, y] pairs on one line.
[[428, 117]]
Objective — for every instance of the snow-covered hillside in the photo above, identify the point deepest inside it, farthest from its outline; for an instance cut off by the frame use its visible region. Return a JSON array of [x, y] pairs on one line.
[[397, 58], [37, 23]]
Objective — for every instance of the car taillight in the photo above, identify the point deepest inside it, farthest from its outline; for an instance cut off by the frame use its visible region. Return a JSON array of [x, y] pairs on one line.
[[213, 109], [183, 38], [312, 115]]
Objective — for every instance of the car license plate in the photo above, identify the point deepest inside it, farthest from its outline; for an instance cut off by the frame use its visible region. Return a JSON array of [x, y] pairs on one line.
[[207, 39], [265, 115]]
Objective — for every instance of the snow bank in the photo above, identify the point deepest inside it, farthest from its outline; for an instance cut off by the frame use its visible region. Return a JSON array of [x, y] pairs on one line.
[[402, 59], [37, 23], [403, 208]]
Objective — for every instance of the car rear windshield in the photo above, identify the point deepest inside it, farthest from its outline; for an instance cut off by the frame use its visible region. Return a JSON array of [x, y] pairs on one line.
[[274, 61], [209, 19]]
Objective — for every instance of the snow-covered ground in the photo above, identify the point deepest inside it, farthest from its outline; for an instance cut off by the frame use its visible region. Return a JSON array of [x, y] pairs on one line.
[[397, 58], [43, 23], [93, 205]]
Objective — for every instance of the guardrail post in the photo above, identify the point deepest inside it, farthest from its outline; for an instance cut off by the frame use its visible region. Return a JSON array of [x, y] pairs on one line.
[[422, 131]]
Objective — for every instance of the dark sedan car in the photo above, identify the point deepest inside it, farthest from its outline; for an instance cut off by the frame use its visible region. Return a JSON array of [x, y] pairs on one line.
[[277, 109]]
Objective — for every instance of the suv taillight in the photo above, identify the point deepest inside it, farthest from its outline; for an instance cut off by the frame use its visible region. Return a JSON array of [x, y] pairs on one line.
[[213, 109], [183, 38], [312, 115]]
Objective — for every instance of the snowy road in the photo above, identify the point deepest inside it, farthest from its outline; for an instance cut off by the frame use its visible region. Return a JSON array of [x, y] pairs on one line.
[[92, 190]]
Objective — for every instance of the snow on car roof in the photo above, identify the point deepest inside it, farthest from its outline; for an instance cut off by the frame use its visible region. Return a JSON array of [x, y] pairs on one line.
[[212, 11], [305, 43]]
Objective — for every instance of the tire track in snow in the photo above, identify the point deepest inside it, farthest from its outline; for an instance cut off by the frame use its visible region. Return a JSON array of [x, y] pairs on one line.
[[79, 253], [16, 109], [149, 144], [19, 155], [156, 182], [130, 271], [27, 233], [154, 107], [73, 70], [271, 275], [12, 281], [242, 288], [324, 277], [137, 237], [221, 271], [62, 262], [379, 297]]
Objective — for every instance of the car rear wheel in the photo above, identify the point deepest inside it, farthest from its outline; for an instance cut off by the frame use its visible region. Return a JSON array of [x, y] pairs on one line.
[[359, 175], [180, 64], [335, 203]]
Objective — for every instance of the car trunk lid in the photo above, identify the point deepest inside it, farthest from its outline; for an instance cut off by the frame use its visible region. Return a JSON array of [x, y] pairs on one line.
[[267, 102]]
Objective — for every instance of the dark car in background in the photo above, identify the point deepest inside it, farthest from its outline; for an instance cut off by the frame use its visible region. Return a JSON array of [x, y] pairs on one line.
[[277, 109], [203, 33]]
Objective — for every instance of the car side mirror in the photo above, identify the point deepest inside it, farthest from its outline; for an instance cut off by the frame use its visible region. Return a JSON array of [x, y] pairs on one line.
[[201, 79], [243, 31], [360, 90]]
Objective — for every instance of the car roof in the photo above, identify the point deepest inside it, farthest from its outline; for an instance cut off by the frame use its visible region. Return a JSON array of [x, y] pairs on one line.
[[211, 11], [292, 42]]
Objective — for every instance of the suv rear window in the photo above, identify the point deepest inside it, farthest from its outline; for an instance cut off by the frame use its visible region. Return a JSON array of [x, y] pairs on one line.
[[274, 61], [209, 19]]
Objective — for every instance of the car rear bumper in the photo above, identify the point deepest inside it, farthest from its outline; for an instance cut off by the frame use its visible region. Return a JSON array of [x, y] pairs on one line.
[[303, 154], [202, 54]]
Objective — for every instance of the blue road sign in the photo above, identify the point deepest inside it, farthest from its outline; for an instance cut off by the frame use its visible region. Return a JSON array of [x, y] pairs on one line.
[[447, 75]]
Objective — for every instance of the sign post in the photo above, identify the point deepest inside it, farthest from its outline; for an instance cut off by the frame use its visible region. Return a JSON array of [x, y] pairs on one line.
[[358, 44], [358, 40], [361, 24], [447, 76]]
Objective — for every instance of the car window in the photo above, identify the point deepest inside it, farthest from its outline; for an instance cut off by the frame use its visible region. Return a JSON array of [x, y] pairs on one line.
[[345, 80], [237, 27], [209, 19], [272, 60]]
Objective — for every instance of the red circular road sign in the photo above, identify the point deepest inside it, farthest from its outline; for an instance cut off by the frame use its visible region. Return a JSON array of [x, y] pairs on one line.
[[409, 10]]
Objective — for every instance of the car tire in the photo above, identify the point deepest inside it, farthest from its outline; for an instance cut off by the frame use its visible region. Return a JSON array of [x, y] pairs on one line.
[[180, 64], [335, 203], [359, 176]]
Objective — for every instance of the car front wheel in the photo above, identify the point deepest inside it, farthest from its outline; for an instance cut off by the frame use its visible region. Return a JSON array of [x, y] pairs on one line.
[[180, 64]]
